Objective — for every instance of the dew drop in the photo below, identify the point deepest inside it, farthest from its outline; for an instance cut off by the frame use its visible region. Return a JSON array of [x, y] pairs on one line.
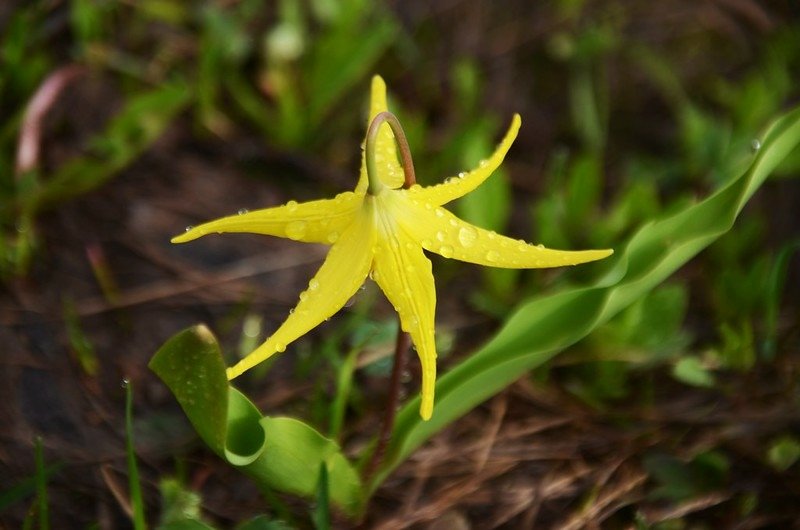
[[242, 211], [439, 212], [483, 163], [280, 347], [492, 256], [441, 236], [467, 236], [426, 243], [313, 284], [755, 145], [453, 222], [125, 382], [428, 206], [188, 228], [296, 230], [462, 175], [492, 234], [446, 251], [540, 246], [291, 311], [291, 206], [415, 188], [333, 237], [303, 296]]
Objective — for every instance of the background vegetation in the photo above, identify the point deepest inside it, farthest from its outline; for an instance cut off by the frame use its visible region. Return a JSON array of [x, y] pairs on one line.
[[680, 412]]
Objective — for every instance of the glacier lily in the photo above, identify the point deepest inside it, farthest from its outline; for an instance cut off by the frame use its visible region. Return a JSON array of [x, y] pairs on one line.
[[380, 230]]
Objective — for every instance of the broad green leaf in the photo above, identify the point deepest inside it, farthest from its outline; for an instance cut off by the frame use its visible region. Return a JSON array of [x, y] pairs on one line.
[[278, 453], [545, 325]]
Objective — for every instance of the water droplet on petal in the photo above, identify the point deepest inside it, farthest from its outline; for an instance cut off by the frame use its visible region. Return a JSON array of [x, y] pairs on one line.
[[446, 251], [492, 256], [296, 230], [303, 296], [453, 222], [428, 206], [441, 236], [415, 188], [755, 145], [439, 212], [426, 243], [467, 236], [242, 211], [125, 382], [483, 163], [280, 347], [492, 234], [462, 175], [291, 311], [313, 284], [333, 237], [540, 246], [291, 206], [188, 228]]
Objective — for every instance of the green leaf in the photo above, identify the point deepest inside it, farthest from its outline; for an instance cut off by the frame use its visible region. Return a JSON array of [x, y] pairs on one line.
[[262, 522], [322, 511], [178, 503], [784, 452], [545, 325], [278, 453], [135, 485], [691, 371], [186, 524], [343, 55]]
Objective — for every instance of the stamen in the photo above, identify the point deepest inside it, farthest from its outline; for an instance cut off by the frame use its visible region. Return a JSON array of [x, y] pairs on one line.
[[375, 184]]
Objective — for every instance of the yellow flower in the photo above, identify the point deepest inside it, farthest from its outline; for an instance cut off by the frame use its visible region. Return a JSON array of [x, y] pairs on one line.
[[382, 232]]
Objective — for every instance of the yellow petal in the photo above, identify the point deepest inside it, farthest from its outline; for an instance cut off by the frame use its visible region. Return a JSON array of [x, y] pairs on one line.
[[455, 187], [340, 276], [390, 170], [442, 232], [404, 275], [320, 221]]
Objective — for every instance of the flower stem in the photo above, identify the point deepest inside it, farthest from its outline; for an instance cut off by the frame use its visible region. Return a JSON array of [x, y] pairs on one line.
[[403, 339], [375, 184], [400, 354]]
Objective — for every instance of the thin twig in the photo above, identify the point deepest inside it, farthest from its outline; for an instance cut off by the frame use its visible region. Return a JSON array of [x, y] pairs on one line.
[[30, 135]]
